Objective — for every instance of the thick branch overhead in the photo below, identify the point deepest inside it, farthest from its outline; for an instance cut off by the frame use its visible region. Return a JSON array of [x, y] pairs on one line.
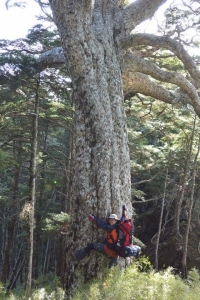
[[140, 83], [140, 75], [51, 58], [135, 13], [144, 39], [133, 63]]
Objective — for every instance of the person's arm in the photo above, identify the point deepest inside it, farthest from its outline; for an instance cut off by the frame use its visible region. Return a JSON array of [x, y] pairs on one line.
[[102, 224], [124, 213], [131, 233]]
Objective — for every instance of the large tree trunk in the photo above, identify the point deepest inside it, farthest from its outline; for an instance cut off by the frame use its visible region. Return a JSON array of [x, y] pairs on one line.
[[101, 174], [101, 166]]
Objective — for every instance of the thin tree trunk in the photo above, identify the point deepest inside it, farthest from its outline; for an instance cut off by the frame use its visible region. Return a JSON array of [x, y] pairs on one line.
[[5, 257], [45, 257], [190, 207], [169, 205], [183, 185], [52, 258], [15, 270], [66, 205], [33, 188], [161, 214], [12, 219], [66, 199], [48, 258], [18, 274], [197, 193], [40, 206]]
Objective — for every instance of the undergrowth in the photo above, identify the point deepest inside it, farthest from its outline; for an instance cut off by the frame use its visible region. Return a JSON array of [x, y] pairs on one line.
[[141, 282], [47, 287], [137, 282]]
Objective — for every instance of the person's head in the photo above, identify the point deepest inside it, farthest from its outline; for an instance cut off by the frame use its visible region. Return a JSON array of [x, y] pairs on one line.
[[112, 219]]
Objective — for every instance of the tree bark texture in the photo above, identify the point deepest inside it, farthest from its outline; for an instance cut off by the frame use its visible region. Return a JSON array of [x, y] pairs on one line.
[[90, 31]]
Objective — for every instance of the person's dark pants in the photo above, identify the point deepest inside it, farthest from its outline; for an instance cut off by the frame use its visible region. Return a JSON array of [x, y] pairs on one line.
[[99, 247]]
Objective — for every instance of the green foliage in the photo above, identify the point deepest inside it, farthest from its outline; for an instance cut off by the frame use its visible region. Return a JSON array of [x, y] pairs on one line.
[[154, 130], [47, 38], [136, 285], [55, 222], [5, 160], [21, 84], [137, 193], [45, 288], [137, 282], [2, 291]]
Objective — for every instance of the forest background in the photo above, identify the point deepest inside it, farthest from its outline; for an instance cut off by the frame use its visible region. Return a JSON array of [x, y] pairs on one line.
[[37, 125]]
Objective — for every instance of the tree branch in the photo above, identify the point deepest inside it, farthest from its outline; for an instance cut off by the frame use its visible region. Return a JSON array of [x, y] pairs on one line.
[[135, 13], [145, 39], [148, 200], [140, 83], [51, 58], [133, 63]]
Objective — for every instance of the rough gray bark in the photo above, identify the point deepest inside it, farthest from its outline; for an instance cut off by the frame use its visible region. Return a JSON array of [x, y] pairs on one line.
[[95, 38], [101, 172]]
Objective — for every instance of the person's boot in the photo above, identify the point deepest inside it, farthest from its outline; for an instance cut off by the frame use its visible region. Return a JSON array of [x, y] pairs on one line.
[[79, 254]]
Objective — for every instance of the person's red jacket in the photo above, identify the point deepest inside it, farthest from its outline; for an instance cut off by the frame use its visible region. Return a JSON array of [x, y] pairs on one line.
[[112, 236]]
